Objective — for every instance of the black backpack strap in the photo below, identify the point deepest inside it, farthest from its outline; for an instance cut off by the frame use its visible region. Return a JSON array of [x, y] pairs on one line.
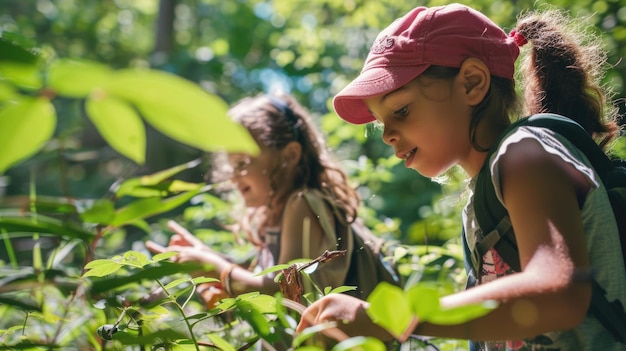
[[610, 314], [492, 217]]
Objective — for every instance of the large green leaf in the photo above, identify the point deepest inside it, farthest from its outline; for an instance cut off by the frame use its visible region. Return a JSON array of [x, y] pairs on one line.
[[101, 268], [119, 124], [254, 317], [163, 269], [42, 225], [359, 343], [25, 126], [391, 309], [462, 314], [157, 184], [27, 305], [77, 79], [7, 92], [144, 208], [181, 110], [13, 52], [424, 300], [24, 75], [220, 343], [102, 212]]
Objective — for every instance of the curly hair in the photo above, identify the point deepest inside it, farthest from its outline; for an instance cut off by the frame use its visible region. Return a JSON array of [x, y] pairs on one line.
[[276, 120]]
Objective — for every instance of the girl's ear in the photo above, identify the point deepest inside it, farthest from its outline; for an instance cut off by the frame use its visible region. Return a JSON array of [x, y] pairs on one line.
[[476, 79], [291, 153]]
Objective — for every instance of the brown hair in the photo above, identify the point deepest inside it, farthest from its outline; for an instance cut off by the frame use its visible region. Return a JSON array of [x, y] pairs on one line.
[[274, 121], [561, 73]]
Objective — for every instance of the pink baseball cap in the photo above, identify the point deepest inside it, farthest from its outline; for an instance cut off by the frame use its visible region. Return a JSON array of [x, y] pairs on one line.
[[442, 36]]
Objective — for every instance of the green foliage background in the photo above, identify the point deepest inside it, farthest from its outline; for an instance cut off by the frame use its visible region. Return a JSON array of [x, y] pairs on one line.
[[237, 48], [96, 188]]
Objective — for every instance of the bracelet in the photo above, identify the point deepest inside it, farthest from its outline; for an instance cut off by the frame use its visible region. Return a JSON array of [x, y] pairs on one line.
[[225, 278], [204, 287]]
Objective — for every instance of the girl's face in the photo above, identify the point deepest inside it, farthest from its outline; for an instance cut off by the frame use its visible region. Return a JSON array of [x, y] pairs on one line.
[[427, 123], [251, 175]]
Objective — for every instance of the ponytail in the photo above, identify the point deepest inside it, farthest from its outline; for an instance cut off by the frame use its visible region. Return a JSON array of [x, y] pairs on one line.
[[562, 76]]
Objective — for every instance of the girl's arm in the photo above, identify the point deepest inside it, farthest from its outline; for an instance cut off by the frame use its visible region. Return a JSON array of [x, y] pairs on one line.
[[542, 194]]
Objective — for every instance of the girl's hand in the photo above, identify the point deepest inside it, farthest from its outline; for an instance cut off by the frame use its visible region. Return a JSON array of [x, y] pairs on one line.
[[183, 237], [349, 314], [189, 247]]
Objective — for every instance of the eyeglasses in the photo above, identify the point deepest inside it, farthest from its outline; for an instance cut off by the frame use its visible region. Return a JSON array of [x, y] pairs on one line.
[[239, 164]]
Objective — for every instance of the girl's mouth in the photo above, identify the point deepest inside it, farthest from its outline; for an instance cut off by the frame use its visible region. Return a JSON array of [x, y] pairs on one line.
[[408, 157]]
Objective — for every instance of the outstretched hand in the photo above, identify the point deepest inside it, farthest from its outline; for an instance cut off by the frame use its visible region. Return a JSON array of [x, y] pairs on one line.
[[188, 247], [182, 237], [348, 312]]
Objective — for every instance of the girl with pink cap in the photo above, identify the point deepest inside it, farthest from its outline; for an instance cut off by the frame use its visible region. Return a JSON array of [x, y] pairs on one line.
[[440, 82]]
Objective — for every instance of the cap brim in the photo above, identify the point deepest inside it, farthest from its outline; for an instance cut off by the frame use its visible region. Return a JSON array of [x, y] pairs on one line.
[[375, 81]]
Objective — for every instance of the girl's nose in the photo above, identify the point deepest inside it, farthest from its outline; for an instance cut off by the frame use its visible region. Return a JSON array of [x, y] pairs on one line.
[[390, 137]]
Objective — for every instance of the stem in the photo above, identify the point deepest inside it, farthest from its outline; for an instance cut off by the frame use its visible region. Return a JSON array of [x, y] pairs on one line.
[[182, 313], [9, 248]]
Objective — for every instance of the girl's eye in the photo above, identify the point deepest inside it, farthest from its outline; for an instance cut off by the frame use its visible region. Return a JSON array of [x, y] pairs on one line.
[[403, 112], [240, 166]]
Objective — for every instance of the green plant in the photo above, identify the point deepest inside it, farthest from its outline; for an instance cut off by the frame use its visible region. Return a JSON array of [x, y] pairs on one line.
[[67, 278]]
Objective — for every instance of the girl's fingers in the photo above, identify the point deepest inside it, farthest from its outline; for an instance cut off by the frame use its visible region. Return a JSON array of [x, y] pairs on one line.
[[183, 232], [154, 247], [179, 240], [308, 318]]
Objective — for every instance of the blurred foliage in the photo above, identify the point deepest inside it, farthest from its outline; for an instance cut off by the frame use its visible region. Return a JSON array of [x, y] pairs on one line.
[[65, 200], [237, 48]]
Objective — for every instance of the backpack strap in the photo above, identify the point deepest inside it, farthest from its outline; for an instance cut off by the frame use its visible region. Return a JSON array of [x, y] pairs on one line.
[[318, 206], [492, 216]]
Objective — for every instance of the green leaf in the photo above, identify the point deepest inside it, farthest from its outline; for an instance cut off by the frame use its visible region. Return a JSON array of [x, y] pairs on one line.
[[248, 312], [76, 78], [164, 256], [200, 280], [120, 125], [151, 273], [176, 282], [221, 343], [157, 336], [154, 312], [27, 305], [23, 75], [163, 175], [339, 290], [462, 314], [135, 188], [360, 343], [11, 51], [134, 259], [101, 268], [181, 110], [272, 269], [7, 92], [263, 303], [391, 309], [424, 301], [101, 212], [43, 224], [25, 126], [310, 332], [144, 208]]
